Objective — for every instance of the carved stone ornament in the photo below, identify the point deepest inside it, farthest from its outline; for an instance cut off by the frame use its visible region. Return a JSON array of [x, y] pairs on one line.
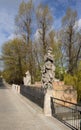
[[48, 70]]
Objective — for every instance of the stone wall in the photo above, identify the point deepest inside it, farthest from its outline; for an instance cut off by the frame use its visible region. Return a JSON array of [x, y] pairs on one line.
[[33, 93], [62, 91]]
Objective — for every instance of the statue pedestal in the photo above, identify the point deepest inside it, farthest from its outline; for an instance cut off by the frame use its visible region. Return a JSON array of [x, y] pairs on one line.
[[47, 103]]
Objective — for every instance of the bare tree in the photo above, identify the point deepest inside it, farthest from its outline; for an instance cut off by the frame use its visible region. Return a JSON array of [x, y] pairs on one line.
[[71, 40], [24, 20], [44, 19], [56, 45]]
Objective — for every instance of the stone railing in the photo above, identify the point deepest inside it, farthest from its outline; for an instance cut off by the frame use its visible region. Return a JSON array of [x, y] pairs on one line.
[[33, 93], [16, 88]]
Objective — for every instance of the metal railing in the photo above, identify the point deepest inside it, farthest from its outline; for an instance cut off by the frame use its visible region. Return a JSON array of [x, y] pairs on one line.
[[34, 94], [67, 112]]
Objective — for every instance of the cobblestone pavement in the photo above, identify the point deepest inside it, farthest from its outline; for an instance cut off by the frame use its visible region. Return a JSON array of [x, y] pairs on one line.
[[18, 113]]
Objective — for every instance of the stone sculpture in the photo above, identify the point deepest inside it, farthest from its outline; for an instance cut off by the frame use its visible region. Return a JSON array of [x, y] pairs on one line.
[[48, 70], [27, 79]]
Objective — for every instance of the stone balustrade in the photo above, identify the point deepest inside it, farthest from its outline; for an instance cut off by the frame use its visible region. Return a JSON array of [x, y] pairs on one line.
[[16, 88]]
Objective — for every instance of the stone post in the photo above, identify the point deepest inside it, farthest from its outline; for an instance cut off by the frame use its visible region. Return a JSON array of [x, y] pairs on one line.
[[18, 88], [48, 74], [47, 103]]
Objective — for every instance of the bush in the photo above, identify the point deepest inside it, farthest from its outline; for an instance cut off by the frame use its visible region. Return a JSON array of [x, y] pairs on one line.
[[70, 80], [78, 85], [59, 73], [75, 81]]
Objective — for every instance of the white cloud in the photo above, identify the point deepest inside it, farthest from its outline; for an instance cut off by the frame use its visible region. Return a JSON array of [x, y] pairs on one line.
[[12, 36], [37, 35], [79, 23]]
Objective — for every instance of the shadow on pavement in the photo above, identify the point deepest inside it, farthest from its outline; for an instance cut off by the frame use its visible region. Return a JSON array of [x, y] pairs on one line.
[[2, 86]]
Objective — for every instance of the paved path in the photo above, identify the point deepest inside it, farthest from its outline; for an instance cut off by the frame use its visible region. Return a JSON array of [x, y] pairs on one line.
[[18, 113]]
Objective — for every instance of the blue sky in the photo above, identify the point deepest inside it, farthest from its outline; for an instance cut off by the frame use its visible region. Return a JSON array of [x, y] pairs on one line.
[[9, 8]]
